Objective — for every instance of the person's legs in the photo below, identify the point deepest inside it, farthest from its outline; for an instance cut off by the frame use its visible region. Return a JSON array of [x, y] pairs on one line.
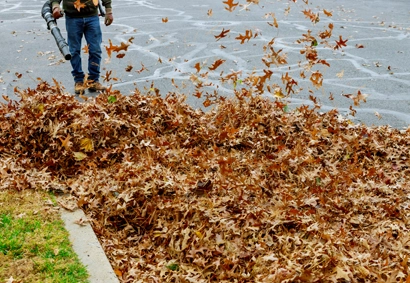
[[75, 28], [93, 36]]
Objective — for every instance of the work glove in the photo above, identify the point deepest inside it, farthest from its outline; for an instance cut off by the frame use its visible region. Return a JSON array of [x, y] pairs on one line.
[[57, 12], [109, 18]]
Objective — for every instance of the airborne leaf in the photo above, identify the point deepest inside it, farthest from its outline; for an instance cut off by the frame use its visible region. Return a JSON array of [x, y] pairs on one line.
[[340, 74], [231, 5], [246, 37], [275, 22], [198, 67], [327, 13], [86, 49], [222, 34], [357, 98], [117, 48], [278, 92], [79, 5], [216, 64], [341, 43], [317, 79], [312, 16]]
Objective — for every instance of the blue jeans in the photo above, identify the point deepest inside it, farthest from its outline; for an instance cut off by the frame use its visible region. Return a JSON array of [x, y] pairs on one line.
[[89, 28]]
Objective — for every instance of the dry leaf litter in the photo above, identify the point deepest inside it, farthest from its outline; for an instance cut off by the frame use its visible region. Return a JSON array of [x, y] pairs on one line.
[[246, 192]]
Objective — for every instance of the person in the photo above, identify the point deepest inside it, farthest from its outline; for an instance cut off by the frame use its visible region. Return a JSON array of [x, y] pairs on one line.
[[81, 18]]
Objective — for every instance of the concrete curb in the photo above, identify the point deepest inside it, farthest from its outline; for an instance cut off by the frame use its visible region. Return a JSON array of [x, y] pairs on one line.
[[88, 248]]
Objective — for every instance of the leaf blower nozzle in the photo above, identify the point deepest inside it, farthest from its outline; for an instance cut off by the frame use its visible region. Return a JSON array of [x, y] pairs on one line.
[[47, 15]]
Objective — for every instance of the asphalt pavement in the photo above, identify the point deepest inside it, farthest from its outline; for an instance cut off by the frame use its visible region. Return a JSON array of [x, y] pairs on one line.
[[170, 37]]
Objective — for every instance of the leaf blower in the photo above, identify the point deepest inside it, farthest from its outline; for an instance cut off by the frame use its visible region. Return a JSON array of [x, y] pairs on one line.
[[46, 13]]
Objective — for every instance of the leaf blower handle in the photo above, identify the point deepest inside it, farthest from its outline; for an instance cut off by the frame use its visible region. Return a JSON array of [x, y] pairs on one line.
[[57, 12], [101, 8]]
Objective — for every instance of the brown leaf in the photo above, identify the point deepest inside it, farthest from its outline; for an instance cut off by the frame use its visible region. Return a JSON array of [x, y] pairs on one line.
[[122, 47], [247, 36], [118, 272], [79, 5], [142, 69], [341, 43], [312, 16], [117, 48], [107, 76], [66, 143], [85, 49], [340, 74], [317, 79], [222, 34], [357, 98], [198, 67], [231, 5], [327, 13], [82, 221], [275, 22], [341, 274], [216, 64]]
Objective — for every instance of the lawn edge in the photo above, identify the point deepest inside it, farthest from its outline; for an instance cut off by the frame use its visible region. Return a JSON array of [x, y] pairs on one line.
[[86, 245]]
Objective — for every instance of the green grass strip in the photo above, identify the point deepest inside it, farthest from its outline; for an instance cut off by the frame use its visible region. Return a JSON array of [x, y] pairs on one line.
[[34, 245]]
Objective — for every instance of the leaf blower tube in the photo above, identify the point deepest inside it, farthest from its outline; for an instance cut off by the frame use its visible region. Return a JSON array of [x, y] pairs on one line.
[[47, 14]]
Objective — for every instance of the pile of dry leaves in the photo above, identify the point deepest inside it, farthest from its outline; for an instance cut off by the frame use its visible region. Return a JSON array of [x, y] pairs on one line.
[[246, 192]]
